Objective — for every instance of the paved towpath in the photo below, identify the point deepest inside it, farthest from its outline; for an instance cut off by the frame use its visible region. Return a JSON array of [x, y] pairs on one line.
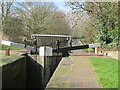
[[74, 72]]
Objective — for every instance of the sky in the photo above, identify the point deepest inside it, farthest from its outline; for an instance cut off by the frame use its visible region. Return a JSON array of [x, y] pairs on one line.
[[59, 3], [61, 6]]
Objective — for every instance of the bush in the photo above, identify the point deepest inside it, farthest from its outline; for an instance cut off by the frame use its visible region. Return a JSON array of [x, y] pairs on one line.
[[90, 50]]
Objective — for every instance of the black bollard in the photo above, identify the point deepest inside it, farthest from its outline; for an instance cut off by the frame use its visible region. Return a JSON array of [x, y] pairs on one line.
[[35, 46]]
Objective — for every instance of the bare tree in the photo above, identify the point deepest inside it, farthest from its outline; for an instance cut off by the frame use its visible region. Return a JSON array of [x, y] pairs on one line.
[[29, 18]]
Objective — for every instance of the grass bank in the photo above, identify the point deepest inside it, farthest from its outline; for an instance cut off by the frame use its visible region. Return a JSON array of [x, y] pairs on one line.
[[7, 59], [107, 71], [4, 47]]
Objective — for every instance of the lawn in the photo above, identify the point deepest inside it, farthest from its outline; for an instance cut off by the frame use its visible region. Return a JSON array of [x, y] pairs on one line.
[[6, 59], [4, 47], [107, 71]]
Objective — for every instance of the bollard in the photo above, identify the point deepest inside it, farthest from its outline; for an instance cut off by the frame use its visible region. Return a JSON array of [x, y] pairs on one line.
[[97, 50], [8, 52]]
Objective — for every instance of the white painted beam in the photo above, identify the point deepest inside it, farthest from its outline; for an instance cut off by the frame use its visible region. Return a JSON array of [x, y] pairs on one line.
[[95, 45], [8, 43], [19, 45]]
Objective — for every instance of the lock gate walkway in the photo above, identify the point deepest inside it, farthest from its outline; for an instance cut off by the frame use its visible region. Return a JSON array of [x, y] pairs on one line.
[[75, 71]]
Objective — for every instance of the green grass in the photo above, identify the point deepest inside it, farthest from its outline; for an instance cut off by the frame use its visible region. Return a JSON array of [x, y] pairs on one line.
[[7, 59], [4, 47], [107, 71], [90, 50]]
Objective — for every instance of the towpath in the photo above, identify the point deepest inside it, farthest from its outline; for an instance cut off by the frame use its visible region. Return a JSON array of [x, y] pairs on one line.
[[75, 71]]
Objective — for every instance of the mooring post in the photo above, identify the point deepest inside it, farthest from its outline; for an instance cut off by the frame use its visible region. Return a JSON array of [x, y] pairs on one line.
[[71, 43], [97, 50], [7, 52], [25, 42], [35, 46], [58, 46]]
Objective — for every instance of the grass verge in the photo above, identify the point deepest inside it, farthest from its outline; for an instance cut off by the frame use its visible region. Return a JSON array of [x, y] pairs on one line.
[[107, 71], [4, 47]]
